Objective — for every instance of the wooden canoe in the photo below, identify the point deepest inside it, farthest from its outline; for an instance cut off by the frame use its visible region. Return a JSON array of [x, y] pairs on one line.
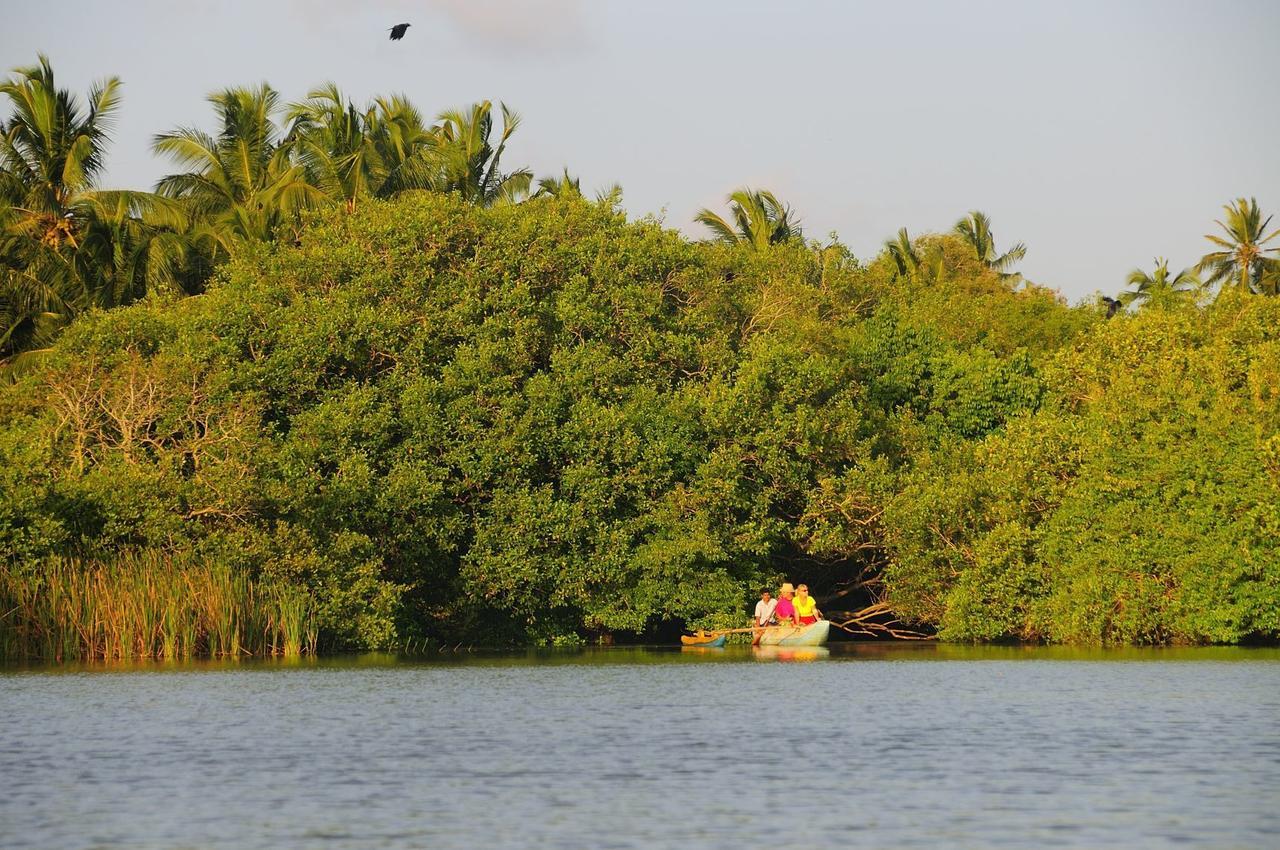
[[711, 640], [814, 634]]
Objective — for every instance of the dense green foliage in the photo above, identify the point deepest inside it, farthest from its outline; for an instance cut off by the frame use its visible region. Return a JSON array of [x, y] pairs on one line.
[[67, 246], [414, 403], [540, 422], [1139, 504]]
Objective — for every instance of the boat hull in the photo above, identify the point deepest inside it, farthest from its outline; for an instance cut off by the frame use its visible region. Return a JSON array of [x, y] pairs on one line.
[[814, 634], [700, 642]]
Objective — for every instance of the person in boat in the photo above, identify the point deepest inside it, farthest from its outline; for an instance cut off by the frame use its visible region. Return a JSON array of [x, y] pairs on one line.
[[764, 616], [786, 610], [764, 609], [806, 607]]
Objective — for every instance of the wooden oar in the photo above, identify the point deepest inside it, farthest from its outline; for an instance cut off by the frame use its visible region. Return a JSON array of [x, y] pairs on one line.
[[714, 633], [718, 632]]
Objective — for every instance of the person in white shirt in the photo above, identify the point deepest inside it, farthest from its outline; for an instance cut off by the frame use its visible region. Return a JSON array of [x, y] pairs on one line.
[[764, 614]]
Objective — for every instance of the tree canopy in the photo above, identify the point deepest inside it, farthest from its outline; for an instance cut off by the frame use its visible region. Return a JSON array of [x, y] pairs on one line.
[[414, 403]]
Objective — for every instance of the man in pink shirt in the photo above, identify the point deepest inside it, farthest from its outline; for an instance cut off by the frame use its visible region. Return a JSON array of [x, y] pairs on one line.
[[786, 610]]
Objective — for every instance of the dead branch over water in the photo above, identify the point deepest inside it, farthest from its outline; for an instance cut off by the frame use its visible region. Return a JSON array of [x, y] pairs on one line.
[[875, 620]]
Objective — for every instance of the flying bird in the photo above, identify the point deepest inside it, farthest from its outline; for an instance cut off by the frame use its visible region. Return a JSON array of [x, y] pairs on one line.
[[397, 32]]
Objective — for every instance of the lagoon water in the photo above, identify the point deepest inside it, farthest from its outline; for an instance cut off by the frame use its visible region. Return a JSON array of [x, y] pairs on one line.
[[864, 746]]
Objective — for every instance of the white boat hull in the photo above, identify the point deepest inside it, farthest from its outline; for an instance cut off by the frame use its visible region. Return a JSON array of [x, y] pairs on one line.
[[814, 634]]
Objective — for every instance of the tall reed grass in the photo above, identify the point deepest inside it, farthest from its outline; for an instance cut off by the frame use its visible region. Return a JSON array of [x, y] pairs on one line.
[[148, 605]]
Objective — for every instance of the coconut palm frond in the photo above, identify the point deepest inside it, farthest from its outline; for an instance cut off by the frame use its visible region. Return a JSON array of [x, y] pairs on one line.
[[1243, 259], [759, 220], [1160, 289], [975, 230]]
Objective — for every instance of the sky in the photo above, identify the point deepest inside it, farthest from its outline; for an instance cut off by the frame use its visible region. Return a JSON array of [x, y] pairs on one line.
[[1101, 134]]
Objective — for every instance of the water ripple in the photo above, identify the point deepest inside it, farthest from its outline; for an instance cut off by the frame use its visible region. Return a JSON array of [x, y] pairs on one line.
[[860, 750]]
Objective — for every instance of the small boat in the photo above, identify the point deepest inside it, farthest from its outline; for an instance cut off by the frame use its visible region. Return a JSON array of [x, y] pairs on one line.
[[814, 634], [714, 640]]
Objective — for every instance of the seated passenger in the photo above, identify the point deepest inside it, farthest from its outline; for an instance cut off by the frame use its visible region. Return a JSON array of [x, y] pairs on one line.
[[806, 606], [765, 608], [763, 616], [786, 610]]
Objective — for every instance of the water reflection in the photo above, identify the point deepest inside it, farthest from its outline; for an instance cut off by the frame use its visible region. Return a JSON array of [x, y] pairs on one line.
[[849, 651], [790, 653]]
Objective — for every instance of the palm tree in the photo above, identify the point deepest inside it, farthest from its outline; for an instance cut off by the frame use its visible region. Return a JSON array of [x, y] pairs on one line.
[[134, 243], [66, 246], [243, 183], [406, 147], [975, 230], [38, 297], [566, 186], [332, 139], [1157, 289], [469, 163], [52, 150], [352, 153], [1269, 282], [760, 220], [1242, 257], [903, 253], [909, 263]]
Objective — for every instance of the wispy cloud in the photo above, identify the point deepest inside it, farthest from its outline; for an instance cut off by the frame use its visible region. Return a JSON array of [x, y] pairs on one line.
[[527, 24]]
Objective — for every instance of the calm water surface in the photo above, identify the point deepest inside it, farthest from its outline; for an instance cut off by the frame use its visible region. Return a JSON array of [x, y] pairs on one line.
[[865, 746]]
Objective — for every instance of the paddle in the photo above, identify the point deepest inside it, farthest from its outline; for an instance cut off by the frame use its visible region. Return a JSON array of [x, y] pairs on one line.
[[718, 632]]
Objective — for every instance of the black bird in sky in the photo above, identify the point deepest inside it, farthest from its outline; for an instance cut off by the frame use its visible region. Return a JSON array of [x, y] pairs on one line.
[[397, 32]]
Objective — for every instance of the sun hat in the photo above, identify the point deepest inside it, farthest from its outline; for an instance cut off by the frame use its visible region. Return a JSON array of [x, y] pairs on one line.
[[786, 588]]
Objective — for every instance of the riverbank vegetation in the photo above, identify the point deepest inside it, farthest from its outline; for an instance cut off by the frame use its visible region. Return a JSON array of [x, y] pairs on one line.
[[148, 605], [355, 378]]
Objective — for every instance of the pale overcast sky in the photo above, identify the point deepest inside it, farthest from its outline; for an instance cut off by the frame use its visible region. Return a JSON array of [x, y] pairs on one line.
[[1100, 133]]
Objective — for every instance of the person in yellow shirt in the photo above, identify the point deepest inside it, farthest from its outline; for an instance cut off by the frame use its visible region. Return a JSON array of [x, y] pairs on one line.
[[806, 606]]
